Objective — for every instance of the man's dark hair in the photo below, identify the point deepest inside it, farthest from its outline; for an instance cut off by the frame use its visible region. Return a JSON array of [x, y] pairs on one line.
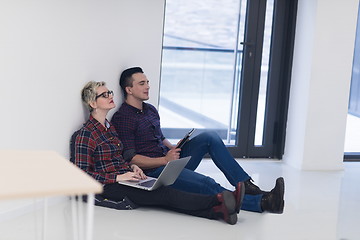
[[126, 80]]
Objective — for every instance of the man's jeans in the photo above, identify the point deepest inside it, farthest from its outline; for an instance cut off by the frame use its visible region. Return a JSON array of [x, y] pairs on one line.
[[190, 181]]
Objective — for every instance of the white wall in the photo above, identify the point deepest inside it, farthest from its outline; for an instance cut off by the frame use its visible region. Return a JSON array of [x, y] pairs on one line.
[[50, 48], [324, 46]]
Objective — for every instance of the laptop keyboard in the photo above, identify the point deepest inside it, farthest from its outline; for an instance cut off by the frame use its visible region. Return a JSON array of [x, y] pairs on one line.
[[148, 183]]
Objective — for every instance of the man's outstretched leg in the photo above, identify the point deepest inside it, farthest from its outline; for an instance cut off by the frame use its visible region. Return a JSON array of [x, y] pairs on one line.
[[210, 142]]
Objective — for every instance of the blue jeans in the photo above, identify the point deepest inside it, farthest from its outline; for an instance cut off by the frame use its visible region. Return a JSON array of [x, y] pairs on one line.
[[190, 181]]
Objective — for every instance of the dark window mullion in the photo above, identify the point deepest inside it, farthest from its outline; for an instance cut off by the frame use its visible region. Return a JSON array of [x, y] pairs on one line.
[[251, 74], [247, 74], [278, 80], [280, 72]]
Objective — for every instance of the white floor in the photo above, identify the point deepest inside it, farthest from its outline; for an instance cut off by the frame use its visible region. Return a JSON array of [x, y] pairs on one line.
[[318, 205]]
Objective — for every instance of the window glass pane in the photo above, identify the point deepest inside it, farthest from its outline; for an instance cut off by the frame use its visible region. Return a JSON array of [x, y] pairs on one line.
[[352, 140], [260, 117], [197, 75]]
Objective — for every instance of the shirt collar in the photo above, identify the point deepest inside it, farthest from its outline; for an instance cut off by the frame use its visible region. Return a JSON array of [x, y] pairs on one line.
[[97, 125], [136, 110]]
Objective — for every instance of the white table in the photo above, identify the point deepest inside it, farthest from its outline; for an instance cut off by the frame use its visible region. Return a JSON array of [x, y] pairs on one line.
[[34, 174]]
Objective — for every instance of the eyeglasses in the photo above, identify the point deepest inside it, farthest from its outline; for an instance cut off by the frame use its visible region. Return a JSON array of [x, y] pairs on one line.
[[105, 94]]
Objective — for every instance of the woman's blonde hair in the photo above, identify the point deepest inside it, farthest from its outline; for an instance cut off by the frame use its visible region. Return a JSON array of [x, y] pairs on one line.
[[88, 93]]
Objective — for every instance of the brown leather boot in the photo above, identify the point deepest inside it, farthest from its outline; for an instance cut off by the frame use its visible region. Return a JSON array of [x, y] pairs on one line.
[[273, 202], [239, 195], [226, 208], [252, 189]]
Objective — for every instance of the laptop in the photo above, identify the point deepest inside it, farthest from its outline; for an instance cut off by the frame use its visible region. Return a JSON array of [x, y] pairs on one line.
[[167, 177]]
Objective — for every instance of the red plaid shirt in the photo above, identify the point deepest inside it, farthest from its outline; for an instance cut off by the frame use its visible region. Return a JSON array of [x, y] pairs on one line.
[[98, 152]]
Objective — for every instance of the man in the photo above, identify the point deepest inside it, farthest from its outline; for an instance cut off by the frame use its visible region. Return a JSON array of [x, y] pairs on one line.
[[138, 126]]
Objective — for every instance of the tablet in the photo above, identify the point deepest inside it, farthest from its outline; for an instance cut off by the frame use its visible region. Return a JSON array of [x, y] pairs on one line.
[[185, 138]]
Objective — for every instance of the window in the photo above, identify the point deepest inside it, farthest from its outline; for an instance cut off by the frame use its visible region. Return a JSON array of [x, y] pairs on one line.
[[218, 60], [199, 87], [352, 139]]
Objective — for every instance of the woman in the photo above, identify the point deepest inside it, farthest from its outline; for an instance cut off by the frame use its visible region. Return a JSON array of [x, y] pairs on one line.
[[98, 151]]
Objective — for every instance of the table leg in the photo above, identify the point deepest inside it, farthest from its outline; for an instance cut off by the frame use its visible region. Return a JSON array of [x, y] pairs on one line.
[[79, 232], [80, 216], [90, 216], [75, 220], [45, 202]]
